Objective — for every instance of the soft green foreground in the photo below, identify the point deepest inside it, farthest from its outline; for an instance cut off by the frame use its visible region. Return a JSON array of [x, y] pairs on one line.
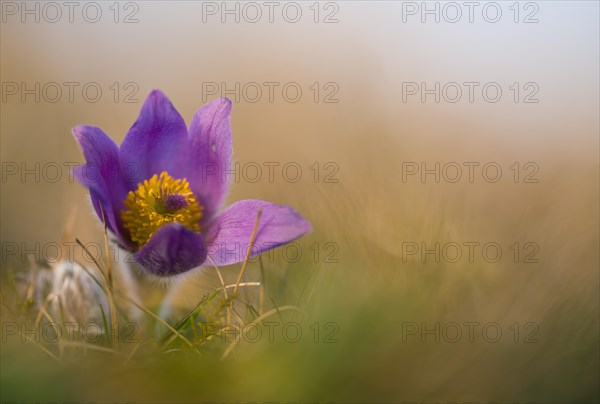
[[365, 356]]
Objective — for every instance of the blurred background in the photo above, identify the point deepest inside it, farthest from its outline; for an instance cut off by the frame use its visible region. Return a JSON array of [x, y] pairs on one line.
[[365, 109]]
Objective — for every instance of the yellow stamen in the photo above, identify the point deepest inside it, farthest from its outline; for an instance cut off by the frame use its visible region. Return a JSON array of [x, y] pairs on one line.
[[158, 201]]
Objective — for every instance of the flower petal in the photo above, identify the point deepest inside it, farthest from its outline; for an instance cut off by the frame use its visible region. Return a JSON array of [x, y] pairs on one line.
[[102, 176], [229, 235], [156, 141], [172, 250], [210, 154]]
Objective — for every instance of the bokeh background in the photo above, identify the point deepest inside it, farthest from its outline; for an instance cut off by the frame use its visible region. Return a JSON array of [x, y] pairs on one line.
[[371, 289]]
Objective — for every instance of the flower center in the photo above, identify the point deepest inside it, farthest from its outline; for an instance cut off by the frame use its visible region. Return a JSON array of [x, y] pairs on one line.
[[158, 201]]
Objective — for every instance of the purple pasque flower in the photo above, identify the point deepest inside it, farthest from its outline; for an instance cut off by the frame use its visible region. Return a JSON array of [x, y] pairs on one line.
[[161, 191]]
